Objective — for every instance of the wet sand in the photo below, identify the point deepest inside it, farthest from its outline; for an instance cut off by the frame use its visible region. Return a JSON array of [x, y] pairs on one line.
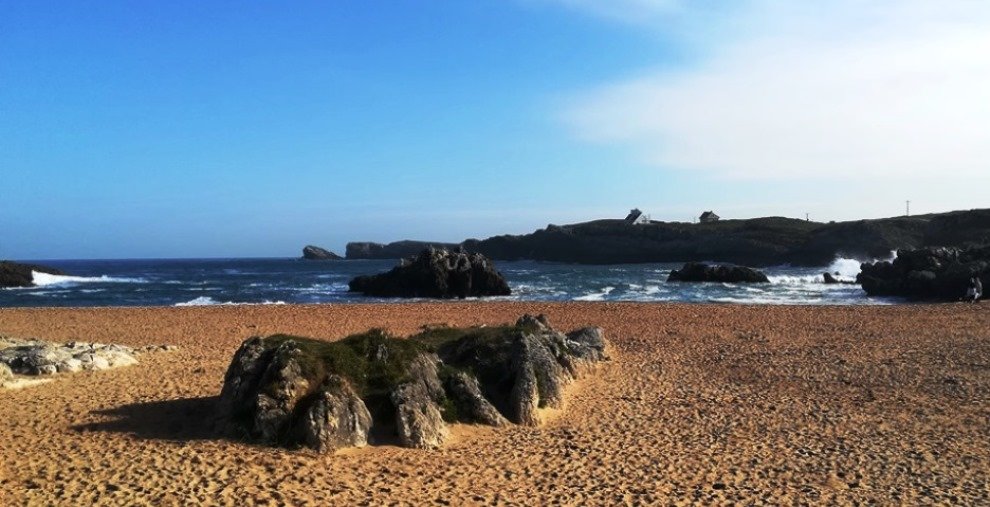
[[700, 404]]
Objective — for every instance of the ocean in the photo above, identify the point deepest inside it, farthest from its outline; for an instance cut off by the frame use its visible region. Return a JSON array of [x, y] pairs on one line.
[[192, 282]]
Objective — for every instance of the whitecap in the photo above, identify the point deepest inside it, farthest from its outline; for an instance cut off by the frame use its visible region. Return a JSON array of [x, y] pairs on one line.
[[48, 280], [208, 301], [596, 296]]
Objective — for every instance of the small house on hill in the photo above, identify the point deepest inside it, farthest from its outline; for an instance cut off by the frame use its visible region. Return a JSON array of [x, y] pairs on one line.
[[636, 217], [708, 217]]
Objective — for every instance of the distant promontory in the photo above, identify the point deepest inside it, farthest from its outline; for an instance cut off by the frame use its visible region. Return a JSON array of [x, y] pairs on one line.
[[395, 250], [755, 242]]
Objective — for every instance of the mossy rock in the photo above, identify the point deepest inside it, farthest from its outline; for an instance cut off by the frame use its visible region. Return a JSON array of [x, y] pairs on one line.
[[408, 386]]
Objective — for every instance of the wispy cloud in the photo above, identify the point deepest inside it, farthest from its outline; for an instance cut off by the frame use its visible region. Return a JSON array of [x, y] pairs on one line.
[[834, 90]]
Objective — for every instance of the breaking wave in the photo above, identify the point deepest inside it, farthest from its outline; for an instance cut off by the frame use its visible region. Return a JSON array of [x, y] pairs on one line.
[[208, 301], [596, 296], [47, 280]]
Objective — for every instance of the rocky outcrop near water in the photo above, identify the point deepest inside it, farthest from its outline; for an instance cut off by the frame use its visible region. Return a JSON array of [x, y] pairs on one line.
[[927, 273], [436, 273], [315, 253], [374, 388], [394, 250], [37, 358], [15, 274], [701, 272]]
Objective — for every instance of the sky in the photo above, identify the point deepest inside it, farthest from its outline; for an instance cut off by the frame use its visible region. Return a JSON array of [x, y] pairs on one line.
[[243, 129]]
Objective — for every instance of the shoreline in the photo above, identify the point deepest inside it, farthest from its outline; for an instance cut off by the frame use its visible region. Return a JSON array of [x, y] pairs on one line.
[[701, 403]]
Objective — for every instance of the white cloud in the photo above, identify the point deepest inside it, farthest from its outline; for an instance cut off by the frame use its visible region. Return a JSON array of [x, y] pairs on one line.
[[803, 90]]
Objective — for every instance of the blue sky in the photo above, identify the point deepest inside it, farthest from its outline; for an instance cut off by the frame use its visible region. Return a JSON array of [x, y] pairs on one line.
[[185, 129]]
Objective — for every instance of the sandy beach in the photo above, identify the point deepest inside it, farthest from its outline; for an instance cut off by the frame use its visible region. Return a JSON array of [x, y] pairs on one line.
[[700, 404]]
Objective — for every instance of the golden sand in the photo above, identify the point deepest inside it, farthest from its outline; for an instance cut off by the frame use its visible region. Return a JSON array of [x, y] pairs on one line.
[[700, 404]]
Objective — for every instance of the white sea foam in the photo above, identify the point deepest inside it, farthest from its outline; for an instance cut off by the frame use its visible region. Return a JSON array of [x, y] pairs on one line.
[[208, 301], [844, 269], [596, 296], [48, 280]]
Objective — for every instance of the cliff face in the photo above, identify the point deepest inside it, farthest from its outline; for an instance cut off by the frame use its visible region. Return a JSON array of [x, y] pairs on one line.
[[755, 242], [395, 250]]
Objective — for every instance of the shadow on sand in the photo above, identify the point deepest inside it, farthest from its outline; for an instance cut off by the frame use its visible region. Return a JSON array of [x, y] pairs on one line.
[[183, 419]]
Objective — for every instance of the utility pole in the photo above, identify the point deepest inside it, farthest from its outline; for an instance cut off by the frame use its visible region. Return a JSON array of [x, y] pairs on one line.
[[907, 211]]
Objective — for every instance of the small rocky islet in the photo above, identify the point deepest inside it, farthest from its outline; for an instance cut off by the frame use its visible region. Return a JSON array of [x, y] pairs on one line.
[[701, 272], [315, 253], [436, 273], [375, 388]]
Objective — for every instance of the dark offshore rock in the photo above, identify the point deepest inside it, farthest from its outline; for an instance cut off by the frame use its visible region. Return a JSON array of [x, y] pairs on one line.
[[700, 272], [315, 253], [830, 279], [14, 274], [927, 273], [436, 274], [293, 391], [394, 250]]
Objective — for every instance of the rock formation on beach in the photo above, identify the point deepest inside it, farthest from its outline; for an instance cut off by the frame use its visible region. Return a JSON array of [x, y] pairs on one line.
[[14, 274], [372, 387], [701, 272], [927, 273], [394, 250], [36, 357], [315, 253], [436, 273]]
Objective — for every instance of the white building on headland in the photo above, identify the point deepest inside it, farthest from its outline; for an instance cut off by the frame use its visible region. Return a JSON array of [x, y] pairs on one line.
[[636, 217]]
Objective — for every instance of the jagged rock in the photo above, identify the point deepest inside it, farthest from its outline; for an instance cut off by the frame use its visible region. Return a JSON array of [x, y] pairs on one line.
[[700, 272], [34, 357], [470, 404], [295, 391], [418, 420], [436, 274], [524, 368], [337, 418], [315, 253], [927, 273], [240, 386], [14, 274], [285, 385]]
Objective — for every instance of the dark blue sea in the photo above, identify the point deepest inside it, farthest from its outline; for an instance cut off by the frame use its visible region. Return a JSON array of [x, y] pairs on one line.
[[188, 282]]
